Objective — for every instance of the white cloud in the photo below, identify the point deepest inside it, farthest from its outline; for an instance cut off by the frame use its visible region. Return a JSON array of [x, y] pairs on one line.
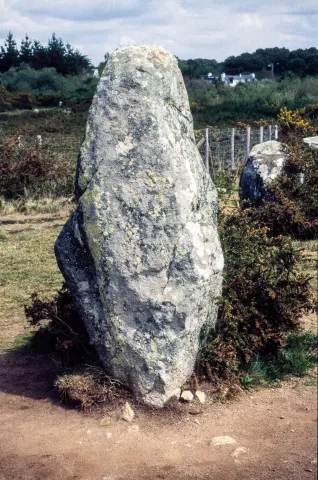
[[209, 29]]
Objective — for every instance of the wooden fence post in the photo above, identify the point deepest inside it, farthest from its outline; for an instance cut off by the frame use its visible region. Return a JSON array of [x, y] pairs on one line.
[[232, 149], [207, 149], [261, 134], [248, 141], [276, 132], [270, 132]]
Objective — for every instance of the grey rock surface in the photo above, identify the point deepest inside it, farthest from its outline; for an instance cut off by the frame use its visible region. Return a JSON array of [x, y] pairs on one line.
[[141, 254], [265, 163], [311, 142]]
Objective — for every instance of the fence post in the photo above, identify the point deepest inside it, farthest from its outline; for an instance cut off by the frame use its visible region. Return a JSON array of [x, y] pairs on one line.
[[232, 148], [276, 132], [248, 141], [261, 134], [207, 149], [270, 132]]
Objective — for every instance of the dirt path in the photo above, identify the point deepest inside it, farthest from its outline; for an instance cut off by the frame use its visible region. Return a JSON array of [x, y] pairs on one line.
[[42, 440]]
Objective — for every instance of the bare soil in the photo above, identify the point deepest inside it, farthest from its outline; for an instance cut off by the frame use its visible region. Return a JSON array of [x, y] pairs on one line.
[[41, 439]]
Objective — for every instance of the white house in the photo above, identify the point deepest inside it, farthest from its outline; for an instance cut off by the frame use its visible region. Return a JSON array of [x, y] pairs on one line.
[[232, 80]]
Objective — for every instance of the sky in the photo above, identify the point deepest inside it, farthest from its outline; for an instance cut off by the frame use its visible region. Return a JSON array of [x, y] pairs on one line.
[[187, 28]]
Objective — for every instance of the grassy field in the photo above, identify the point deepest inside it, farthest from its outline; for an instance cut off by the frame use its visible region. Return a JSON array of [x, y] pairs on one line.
[[27, 265]]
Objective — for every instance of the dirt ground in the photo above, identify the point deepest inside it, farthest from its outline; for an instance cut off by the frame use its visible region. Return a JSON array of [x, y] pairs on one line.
[[275, 429], [41, 439]]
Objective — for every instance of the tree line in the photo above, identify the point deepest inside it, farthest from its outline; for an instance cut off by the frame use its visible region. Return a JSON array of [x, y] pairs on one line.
[[265, 62], [63, 57]]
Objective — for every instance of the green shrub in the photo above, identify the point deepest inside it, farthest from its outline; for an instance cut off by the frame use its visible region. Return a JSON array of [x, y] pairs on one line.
[[294, 208], [264, 296]]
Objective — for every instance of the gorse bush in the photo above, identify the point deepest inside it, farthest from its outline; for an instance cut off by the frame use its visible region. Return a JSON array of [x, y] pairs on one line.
[[36, 171], [264, 296], [293, 209]]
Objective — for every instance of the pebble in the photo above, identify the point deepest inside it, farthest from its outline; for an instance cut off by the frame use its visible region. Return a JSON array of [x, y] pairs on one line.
[[105, 422], [239, 451], [223, 441], [187, 396], [109, 435], [127, 413], [200, 396]]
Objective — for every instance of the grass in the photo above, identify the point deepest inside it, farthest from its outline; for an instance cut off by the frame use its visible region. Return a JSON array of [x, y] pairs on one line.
[[296, 358], [27, 265], [18, 111], [86, 388], [30, 205]]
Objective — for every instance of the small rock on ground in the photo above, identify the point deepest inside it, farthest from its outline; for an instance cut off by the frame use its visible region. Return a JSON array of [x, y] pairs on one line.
[[105, 422], [239, 451], [200, 396], [127, 413], [223, 441], [187, 396]]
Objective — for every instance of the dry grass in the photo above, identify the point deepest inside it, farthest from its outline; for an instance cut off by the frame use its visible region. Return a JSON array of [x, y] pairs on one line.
[[87, 388], [32, 206]]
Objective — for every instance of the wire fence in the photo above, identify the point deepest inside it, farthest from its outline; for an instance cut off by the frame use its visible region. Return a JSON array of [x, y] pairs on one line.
[[221, 148], [228, 148]]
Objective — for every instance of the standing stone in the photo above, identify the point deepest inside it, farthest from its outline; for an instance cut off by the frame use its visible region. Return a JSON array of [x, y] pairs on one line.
[[141, 254], [265, 164], [311, 142]]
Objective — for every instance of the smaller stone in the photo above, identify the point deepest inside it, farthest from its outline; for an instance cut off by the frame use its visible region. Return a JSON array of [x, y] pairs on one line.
[[127, 413], [216, 441], [282, 417], [187, 396], [105, 422], [239, 451], [176, 393], [200, 396], [109, 435], [196, 421]]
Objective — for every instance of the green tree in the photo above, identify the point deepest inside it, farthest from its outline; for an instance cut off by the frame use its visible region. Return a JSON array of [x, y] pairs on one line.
[[26, 53], [39, 56], [56, 51], [9, 56]]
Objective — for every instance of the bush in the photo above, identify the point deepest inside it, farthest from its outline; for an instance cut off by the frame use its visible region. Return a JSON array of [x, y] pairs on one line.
[[264, 296], [294, 206], [35, 170], [48, 86], [9, 101]]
